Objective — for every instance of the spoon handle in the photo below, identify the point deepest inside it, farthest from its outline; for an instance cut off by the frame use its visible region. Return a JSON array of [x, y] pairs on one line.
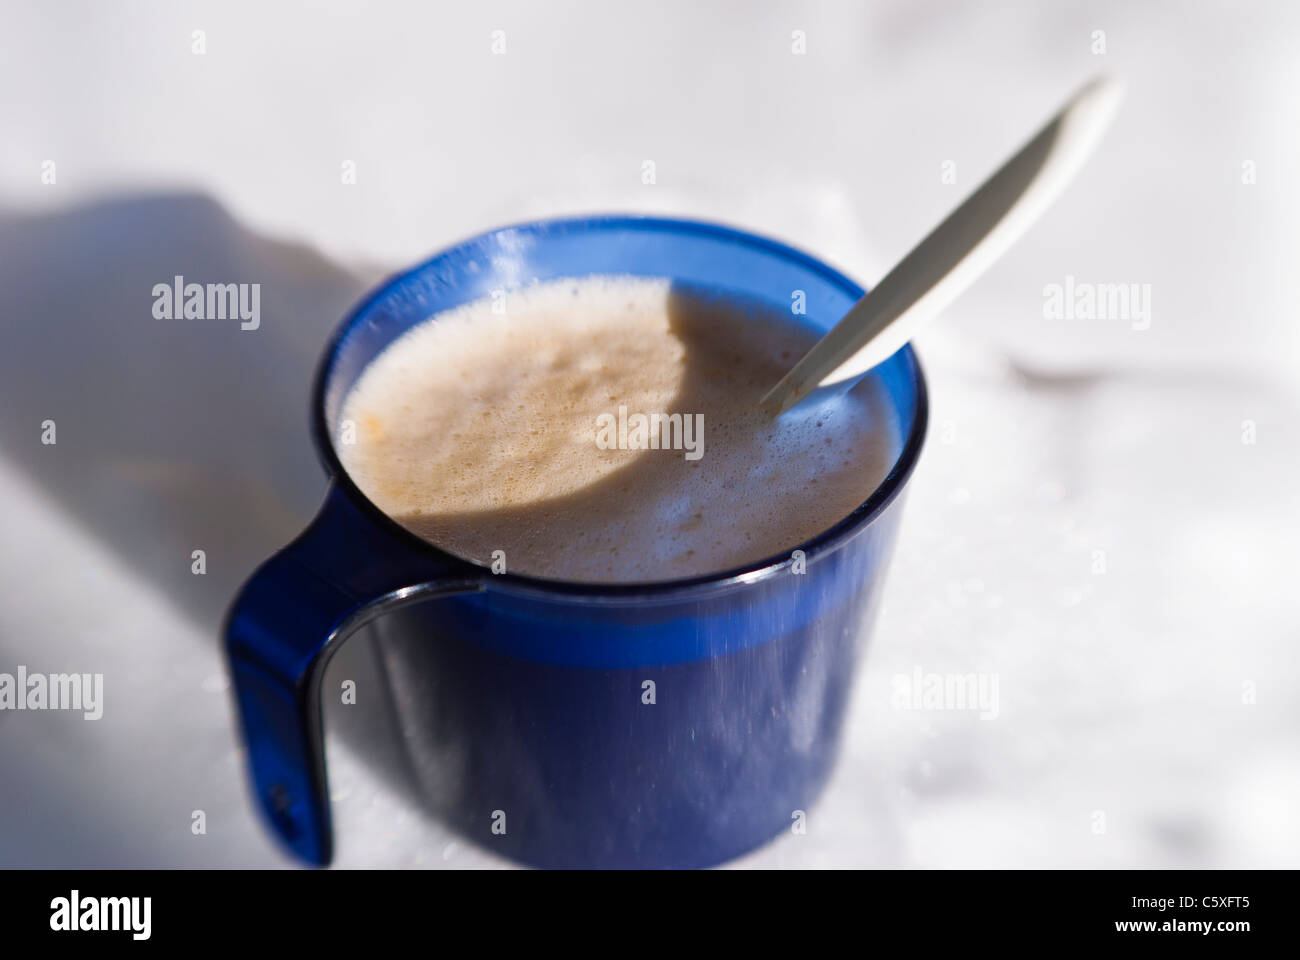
[[956, 252]]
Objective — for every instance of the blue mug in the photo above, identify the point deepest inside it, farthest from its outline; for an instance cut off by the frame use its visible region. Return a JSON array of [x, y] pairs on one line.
[[669, 724]]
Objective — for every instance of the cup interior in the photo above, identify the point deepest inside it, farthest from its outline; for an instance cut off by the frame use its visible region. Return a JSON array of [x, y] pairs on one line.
[[689, 253]]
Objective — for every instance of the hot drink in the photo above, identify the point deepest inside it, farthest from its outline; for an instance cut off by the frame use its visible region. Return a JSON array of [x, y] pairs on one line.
[[607, 429]]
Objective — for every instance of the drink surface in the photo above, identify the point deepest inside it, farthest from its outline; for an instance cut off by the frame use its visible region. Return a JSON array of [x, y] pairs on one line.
[[607, 429]]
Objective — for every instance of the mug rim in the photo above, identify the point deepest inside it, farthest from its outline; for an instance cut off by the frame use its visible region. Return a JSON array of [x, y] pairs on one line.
[[827, 541]]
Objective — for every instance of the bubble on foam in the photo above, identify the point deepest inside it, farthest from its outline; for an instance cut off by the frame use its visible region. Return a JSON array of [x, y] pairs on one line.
[[478, 431]]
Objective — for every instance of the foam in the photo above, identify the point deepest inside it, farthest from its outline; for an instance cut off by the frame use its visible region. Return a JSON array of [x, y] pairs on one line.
[[478, 431]]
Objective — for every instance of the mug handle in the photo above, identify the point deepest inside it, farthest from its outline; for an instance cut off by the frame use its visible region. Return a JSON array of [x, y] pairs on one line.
[[283, 628]]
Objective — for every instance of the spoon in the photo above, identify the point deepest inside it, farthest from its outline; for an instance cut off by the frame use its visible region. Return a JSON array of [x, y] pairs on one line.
[[968, 242]]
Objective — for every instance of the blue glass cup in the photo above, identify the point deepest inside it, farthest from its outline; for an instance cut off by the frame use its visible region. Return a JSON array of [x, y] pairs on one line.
[[668, 724]]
